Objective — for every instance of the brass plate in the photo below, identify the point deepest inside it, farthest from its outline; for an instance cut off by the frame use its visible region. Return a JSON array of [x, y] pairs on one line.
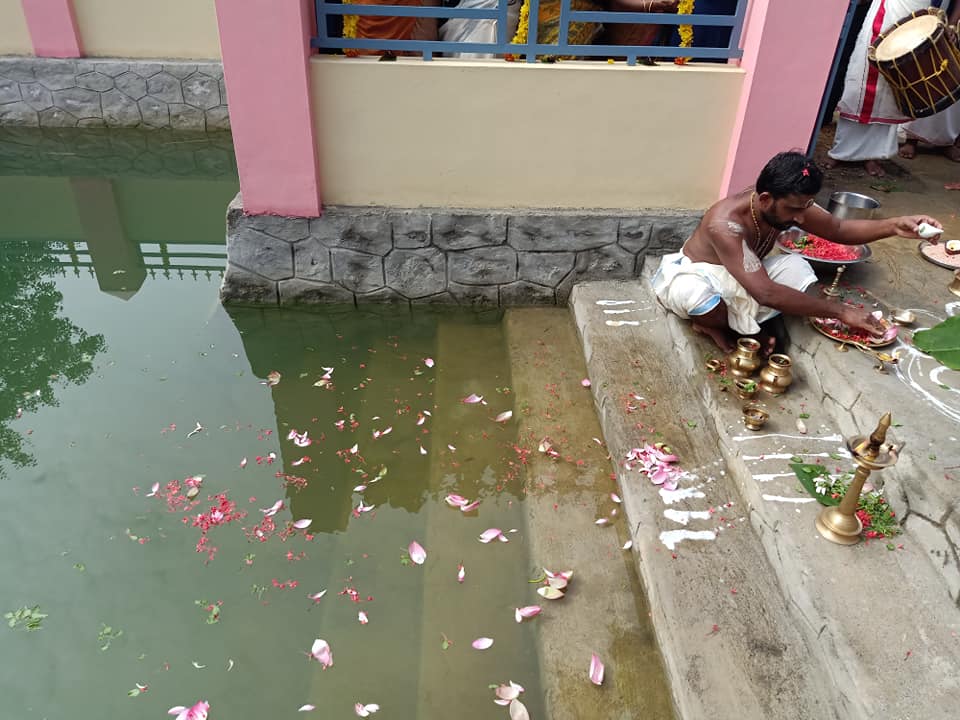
[[951, 262], [867, 345]]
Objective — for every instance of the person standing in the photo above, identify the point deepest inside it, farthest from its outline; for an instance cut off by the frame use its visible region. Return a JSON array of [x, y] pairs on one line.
[[869, 116]]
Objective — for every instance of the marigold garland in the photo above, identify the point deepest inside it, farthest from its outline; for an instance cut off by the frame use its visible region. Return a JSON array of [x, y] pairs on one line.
[[350, 29], [685, 7]]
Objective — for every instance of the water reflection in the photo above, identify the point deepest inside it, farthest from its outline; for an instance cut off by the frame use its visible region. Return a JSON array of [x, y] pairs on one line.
[[42, 348], [372, 389]]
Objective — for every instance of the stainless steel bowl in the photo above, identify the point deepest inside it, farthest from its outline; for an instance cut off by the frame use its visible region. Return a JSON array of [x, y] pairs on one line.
[[852, 206]]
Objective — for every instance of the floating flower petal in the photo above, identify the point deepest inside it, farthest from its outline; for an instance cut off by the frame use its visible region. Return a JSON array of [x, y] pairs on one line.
[[482, 643], [417, 553], [596, 670]]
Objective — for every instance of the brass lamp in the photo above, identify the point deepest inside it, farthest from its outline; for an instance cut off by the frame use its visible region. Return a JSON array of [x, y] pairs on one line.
[[840, 523]]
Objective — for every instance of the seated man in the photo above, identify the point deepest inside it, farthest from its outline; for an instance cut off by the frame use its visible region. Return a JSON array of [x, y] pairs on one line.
[[722, 280]]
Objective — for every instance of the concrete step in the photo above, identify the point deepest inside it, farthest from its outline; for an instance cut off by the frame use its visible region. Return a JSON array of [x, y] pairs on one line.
[[804, 628]]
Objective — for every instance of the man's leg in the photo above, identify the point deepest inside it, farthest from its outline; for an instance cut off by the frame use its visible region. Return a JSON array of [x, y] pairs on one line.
[[714, 325]]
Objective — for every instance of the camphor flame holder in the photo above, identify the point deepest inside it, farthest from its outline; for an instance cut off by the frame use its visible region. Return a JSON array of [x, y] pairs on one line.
[[840, 523]]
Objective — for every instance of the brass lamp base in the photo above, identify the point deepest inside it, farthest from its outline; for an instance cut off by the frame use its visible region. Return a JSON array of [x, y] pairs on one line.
[[839, 528]]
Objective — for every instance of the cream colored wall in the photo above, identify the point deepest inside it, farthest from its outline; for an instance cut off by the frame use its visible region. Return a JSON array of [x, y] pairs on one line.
[[14, 35], [496, 134], [148, 28]]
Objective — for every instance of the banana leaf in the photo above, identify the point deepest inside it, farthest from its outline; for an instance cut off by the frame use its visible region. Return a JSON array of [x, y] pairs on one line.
[[942, 342], [807, 473]]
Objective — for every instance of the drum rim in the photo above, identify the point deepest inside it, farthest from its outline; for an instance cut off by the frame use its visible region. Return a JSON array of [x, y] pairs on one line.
[[927, 41]]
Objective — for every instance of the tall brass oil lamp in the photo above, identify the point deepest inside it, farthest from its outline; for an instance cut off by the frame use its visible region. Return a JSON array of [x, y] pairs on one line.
[[840, 523]]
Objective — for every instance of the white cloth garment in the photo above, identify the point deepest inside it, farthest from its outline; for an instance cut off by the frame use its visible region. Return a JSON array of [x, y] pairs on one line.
[[689, 288], [938, 130], [867, 99], [479, 31]]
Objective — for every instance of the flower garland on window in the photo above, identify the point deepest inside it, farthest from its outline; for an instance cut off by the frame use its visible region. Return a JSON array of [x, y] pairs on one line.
[[685, 7], [579, 33], [350, 28]]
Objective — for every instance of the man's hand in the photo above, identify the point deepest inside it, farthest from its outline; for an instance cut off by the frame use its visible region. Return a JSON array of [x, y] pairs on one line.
[[907, 225], [863, 319]]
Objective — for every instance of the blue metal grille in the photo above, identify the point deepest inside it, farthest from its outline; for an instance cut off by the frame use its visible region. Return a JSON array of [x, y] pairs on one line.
[[531, 49]]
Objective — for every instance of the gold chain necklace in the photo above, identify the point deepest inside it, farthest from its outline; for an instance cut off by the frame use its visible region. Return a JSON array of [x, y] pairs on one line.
[[768, 243]]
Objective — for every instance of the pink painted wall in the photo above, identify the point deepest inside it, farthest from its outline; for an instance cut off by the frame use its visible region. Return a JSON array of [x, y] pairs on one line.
[[53, 28], [266, 50], [788, 48]]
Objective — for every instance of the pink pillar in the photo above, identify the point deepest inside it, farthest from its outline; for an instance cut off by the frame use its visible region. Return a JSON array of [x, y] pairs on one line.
[[788, 49], [266, 63], [53, 28]]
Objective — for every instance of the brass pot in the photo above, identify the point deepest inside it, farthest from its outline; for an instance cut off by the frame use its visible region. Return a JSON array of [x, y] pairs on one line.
[[746, 388], [754, 416], [744, 361], [776, 377]]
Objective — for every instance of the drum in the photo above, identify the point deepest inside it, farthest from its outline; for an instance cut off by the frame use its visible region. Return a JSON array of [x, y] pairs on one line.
[[920, 60]]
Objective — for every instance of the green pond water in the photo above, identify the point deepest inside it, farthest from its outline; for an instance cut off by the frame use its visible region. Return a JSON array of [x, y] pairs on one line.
[[121, 371]]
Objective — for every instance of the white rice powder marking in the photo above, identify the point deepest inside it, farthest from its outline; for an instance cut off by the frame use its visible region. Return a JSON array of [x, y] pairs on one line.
[[684, 516], [669, 497], [779, 498], [671, 538]]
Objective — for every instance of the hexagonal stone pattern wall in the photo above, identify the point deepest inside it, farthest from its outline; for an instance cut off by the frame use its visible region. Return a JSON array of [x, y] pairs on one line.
[[475, 258], [50, 92]]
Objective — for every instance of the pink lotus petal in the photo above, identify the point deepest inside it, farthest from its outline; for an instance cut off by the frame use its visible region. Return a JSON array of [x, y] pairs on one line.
[[243, 463], [627, 545], [615, 498], [362, 617], [306, 708], [428, 362], [360, 488], [451, 448], [461, 573], [601, 521], [504, 538], [550, 593], [482, 643], [490, 534], [456, 500], [423, 450], [273, 378], [596, 670], [472, 399], [292, 434], [365, 710], [518, 711], [197, 712], [504, 416], [507, 693], [153, 490], [301, 461], [316, 596], [322, 653], [417, 553], [273, 509], [354, 449], [470, 506], [301, 524], [528, 611], [585, 382]]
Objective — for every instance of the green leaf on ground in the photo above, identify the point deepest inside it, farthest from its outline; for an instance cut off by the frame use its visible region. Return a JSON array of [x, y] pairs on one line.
[[942, 342], [807, 474]]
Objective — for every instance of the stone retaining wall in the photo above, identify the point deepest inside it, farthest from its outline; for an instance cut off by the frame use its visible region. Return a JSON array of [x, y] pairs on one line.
[[469, 257], [50, 92]]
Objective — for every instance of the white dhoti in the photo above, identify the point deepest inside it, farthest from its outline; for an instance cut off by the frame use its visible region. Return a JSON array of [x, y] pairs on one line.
[[689, 288]]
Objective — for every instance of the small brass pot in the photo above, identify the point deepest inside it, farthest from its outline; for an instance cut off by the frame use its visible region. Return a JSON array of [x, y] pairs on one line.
[[777, 376], [754, 417], [744, 361], [746, 388]]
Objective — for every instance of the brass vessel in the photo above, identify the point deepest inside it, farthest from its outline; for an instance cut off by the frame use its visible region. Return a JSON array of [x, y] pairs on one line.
[[777, 376], [746, 388], [954, 286], [744, 361], [754, 416]]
